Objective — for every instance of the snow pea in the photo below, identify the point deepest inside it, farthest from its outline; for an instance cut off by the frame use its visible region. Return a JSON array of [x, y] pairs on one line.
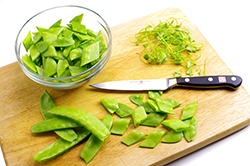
[[110, 104], [46, 104], [120, 126], [27, 42], [50, 67], [189, 110], [27, 60], [123, 110], [54, 124], [75, 54], [154, 94], [63, 42], [85, 119], [153, 105], [60, 146], [174, 103], [61, 67], [50, 52], [154, 119], [175, 124], [34, 52], [136, 99], [94, 144], [173, 137], [165, 106], [133, 137], [190, 133], [153, 139], [90, 53], [138, 116], [49, 37], [42, 46], [147, 107]]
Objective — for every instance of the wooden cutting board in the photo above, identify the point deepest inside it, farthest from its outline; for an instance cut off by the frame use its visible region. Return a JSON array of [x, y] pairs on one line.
[[220, 112]]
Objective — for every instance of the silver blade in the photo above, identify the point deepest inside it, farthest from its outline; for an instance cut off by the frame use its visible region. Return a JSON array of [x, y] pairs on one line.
[[137, 85]]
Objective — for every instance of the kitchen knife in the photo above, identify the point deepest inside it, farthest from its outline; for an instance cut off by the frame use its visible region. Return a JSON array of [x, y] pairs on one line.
[[231, 81]]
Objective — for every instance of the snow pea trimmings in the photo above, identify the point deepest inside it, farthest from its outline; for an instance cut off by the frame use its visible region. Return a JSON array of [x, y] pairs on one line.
[[63, 51]]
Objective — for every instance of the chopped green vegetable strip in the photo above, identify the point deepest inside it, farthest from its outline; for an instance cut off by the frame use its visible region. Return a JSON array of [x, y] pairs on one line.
[[138, 116], [54, 124], [27, 42], [175, 124], [153, 139], [190, 133], [153, 105], [84, 118], [34, 52], [133, 137], [189, 110], [42, 46], [120, 126], [165, 106], [90, 53], [46, 104], [27, 60], [167, 42], [61, 67], [94, 144], [60, 146], [174, 103], [154, 95], [136, 99], [147, 107], [173, 137], [123, 110], [110, 104], [50, 67], [154, 119]]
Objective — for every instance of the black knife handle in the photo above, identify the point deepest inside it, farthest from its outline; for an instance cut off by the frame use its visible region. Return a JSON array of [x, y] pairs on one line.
[[231, 81]]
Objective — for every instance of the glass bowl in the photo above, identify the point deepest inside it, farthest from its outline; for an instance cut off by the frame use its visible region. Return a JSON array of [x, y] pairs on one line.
[[48, 17]]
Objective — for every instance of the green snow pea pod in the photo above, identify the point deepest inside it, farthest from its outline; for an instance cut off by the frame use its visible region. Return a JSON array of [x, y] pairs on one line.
[[94, 144], [39, 70], [77, 19], [154, 94], [165, 106], [61, 67], [54, 124], [190, 133], [154, 119], [153, 139], [78, 27], [42, 46], [138, 116], [133, 137], [50, 67], [34, 52], [175, 124], [123, 110], [74, 70], [153, 105], [27, 61], [60, 146], [56, 24], [49, 37], [173, 137], [55, 30], [110, 104], [75, 54], [90, 53], [174, 103], [27, 42], [120, 126], [189, 110], [136, 99], [63, 42], [50, 52], [147, 107], [85, 119], [46, 104]]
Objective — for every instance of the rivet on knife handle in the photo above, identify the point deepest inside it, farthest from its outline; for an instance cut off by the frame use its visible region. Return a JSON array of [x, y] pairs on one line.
[[231, 81]]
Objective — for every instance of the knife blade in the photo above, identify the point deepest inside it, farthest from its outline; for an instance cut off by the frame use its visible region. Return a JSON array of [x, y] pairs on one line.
[[231, 81]]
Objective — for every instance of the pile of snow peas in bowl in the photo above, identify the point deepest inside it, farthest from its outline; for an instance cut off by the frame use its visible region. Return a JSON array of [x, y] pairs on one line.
[[63, 47]]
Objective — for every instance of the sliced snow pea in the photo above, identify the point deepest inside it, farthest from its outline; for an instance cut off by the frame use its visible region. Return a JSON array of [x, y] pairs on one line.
[[49, 37], [133, 137], [138, 116], [136, 99], [90, 53], [154, 119], [165, 106], [75, 54], [84, 118], [154, 94], [28, 62], [46, 104], [50, 67], [190, 133], [42, 46], [173, 137], [110, 104], [61, 67], [27, 42], [94, 144], [50, 52], [54, 124], [189, 110], [123, 110], [174, 103], [153, 105], [120, 126], [60, 146], [147, 107], [34, 52], [153, 139], [78, 27], [175, 124], [63, 42]]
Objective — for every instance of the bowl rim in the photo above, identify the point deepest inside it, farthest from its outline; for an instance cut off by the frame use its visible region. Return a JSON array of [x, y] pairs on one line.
[[51, 79]]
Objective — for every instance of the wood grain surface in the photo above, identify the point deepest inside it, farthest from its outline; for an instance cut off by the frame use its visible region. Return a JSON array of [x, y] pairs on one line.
[[220, 112]]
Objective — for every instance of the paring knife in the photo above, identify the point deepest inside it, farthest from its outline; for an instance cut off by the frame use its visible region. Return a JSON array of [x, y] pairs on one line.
[[231, 81]]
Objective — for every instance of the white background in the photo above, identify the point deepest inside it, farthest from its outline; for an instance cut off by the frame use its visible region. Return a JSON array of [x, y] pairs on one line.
[[224, 23]]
